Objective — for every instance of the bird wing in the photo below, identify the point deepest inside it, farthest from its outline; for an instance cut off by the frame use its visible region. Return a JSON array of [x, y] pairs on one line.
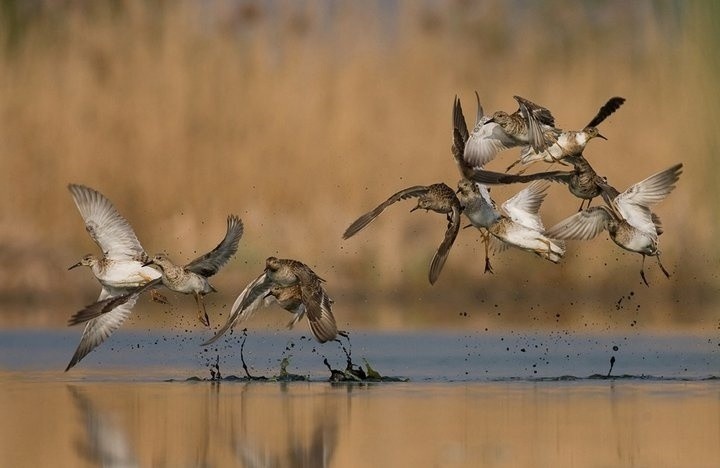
[[365, 219], [539, 113], [605, 111], [485, 142], [443, 250], [538, 119], [105, 225], [524, 206], [250, 299], [100, 328], [652, 190], [495, 178], [210, 263], [638, 216], [583, 225], [318, 309], [108, 303]]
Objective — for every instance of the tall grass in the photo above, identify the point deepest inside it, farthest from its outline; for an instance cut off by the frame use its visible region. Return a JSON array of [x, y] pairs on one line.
[[301, 117]]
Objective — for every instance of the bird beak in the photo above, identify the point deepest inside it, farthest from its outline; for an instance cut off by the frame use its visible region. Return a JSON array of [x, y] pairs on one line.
[[490, 120], [75, 266], [601, 136], [149, 262], [417, 207]]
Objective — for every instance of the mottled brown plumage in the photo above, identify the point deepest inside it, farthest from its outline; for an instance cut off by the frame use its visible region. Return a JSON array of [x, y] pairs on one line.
[[437, 197]]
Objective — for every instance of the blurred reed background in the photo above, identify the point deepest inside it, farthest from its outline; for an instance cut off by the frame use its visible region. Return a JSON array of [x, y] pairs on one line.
[[300, 116]]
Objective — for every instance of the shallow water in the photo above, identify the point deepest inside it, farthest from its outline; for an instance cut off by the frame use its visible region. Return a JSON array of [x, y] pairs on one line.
[[471, 400]]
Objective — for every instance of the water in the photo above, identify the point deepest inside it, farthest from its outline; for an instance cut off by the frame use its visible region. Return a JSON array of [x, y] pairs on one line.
[[476, 399]]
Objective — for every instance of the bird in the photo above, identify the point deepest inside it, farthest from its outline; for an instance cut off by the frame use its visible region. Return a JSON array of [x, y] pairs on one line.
[[436, 197], [189, 279], [531, 125], [474, 197], [570, 142], [193, 277], [120, 268], [626, 216], [582, 181], [296, 288], [518, 224]]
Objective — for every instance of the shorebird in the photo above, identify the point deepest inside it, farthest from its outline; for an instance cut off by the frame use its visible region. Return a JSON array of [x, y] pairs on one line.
[[296, 288], [120, 268], [436, 197], [531, 125], [189, 279], [475, 198], [627, 217], [582, 181], [518, 225], [193, 277], [571, 142]]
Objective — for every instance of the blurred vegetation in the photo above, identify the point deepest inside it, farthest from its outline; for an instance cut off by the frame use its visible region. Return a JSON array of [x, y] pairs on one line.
[[300, 116]]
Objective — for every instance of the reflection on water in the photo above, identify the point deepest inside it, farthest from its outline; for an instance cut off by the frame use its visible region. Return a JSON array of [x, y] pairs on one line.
[[477, 399], [312, 424], [105, 442]]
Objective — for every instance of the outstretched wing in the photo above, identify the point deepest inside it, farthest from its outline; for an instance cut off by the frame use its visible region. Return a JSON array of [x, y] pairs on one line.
[[210, 263], [107, 304], [652, 190], [495, 178], [536, 117], [249, 300], [365, 219], [523, 208], [485, 142], [441, 255], [583, 225], [605, 111], [105, 225], [318, 309], [99, 329]]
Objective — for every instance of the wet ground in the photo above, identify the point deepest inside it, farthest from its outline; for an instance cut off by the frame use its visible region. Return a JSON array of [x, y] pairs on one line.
[[478, 399]]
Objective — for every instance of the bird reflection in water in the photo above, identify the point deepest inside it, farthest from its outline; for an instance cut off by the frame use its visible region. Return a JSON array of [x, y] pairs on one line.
[[308, 439], [106, 441]]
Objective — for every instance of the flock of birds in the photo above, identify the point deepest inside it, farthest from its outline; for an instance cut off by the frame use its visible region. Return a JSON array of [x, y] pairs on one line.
[[125, 270]]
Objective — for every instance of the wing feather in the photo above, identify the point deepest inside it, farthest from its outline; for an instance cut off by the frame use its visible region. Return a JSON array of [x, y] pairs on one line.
[[210, 263], [110, 231], [443, 250], [250, 299], [583, 225], [367, 218], [523, 208], [99, 329]]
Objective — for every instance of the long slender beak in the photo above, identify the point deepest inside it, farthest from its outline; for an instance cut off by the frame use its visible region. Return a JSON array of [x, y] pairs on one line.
[[417, 207], [601, 136], [75, 266], [149, 262]]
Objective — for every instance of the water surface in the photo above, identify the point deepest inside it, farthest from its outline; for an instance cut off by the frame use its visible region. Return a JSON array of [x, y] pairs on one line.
[[505, 400]]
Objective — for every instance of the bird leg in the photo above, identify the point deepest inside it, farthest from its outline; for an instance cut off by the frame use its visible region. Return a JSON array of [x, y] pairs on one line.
[[157, 297], [202, 313], [486, 240], [581, 205], [642, 271], [667, 275], [512, 165]]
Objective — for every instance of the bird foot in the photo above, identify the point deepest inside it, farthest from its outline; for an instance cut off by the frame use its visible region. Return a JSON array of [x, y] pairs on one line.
[[157, 297], [203, 318], [642, 275], [488, 267]]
